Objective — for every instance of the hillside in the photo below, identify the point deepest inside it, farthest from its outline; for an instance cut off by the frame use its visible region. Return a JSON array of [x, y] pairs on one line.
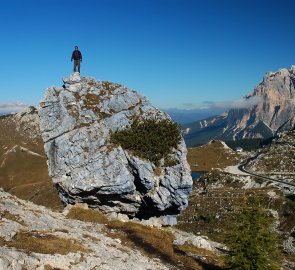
[[278, 159], [33, 237], [23, 169], [270, 109], [218, 195], [215, 154]]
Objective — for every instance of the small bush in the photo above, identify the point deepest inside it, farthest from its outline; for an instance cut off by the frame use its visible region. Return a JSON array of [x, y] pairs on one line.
[[149, 139]]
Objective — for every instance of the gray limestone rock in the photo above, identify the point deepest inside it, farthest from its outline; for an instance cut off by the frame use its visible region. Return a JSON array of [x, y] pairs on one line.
[[76, 121], [97, 249]]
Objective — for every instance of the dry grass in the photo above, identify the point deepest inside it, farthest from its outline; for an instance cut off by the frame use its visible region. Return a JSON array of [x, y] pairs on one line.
[[61, 230], [153, 242], [48, 267], [91, 100], [212, 155], [207, 257], [109, 86], [93, 238], [44, 243], [12, 217], [157, 171], [214, 213], [2, 241], [87, 215], [22, 174]]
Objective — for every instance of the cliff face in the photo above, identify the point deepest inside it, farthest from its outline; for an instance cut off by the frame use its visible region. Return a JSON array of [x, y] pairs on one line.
[[76, 121], [275, 108], [273, 111]]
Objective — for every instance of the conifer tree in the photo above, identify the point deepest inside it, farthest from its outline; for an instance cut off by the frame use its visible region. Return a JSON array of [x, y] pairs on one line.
[[252, 243]]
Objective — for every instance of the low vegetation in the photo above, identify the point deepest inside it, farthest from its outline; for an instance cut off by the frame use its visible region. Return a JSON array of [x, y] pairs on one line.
[[10, 216], [252, 243], [22, 174], [44, 243], [153, 242], [87, 215], [207, 258], [212, 155], [249, 144], [109, 86], [149, 139]]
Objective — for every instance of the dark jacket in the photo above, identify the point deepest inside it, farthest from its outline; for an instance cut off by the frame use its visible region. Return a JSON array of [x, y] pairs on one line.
[[76, 55]]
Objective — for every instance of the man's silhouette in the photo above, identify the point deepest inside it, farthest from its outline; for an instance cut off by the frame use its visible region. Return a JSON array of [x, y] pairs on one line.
[[77, 56]]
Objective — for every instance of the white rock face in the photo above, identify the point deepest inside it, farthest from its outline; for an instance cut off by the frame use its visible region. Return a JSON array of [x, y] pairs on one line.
[[76, 121], [100, 251], [198, 241], [27, 122]]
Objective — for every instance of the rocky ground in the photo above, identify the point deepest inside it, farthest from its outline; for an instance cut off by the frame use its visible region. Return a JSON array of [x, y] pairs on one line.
[[278, 159], [33, 237]]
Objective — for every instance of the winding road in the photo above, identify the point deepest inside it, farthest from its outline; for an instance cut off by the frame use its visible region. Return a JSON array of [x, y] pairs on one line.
[[243, 165]]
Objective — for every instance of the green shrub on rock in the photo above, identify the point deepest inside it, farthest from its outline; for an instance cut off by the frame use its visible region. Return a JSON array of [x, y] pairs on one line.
[[149, 139]]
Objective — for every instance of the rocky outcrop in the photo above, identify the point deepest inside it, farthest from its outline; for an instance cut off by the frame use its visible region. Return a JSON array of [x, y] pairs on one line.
[[270, 109], [27, 122], [33, 237], [76, 121]]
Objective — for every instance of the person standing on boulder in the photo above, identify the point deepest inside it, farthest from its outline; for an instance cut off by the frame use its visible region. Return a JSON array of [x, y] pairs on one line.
[[77, 56]]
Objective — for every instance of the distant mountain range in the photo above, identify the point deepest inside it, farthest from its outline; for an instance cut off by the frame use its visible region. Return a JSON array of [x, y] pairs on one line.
[[271, 109], [185, 116]]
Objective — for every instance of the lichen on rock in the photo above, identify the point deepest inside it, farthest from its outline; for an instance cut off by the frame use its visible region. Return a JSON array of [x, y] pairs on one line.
[[76, 123]]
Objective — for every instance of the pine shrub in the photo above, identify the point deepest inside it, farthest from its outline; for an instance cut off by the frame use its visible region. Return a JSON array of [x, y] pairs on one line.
[[149, 139], [253, 245]]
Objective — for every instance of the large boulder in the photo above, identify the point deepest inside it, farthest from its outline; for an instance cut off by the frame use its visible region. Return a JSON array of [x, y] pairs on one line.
[[76, 121]]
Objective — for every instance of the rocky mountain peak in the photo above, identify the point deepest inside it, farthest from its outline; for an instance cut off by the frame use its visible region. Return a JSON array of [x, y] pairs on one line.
[[76, 122], [269, 109], [277, 100]]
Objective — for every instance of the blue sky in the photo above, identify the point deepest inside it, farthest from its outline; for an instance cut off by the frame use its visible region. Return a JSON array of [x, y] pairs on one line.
[[178, 53]]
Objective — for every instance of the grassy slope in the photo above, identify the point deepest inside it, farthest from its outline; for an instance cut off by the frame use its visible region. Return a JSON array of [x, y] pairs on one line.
[[21, 173], [212, 155]]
